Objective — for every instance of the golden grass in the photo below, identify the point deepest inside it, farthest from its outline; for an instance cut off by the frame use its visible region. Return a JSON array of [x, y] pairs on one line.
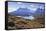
[[24, 23]]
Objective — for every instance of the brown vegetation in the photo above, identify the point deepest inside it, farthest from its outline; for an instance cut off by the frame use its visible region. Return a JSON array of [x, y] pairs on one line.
[[20, 23]]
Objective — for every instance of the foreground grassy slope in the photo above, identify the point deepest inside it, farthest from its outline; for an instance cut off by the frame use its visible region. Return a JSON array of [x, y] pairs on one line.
[[15, 22]]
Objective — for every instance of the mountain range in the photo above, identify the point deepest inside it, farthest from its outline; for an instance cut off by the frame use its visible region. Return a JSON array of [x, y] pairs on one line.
[[27, 12]]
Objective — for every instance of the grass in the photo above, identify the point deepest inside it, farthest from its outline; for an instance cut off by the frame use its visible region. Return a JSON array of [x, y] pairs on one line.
[[20, 23]]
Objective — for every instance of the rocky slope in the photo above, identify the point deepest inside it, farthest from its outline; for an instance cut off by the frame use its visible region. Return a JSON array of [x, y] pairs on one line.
[[15, 22]]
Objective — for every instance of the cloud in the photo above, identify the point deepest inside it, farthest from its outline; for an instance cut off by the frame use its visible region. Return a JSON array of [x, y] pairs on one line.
[[12, 9], [19, 2], [29, 17]]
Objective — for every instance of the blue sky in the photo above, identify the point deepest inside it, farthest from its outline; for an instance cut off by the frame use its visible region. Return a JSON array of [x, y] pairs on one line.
[[13, 6]]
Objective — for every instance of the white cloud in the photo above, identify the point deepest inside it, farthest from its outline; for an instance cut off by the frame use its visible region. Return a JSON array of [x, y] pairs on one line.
[[19, 2], [29, 17], [12, 9], [32, 8]]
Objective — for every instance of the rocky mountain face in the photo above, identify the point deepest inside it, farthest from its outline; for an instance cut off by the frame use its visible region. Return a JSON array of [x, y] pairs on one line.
[[22, 12], [27, 12]]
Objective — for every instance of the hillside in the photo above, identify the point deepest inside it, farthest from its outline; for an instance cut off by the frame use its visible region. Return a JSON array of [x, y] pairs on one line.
[[21, 23]]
